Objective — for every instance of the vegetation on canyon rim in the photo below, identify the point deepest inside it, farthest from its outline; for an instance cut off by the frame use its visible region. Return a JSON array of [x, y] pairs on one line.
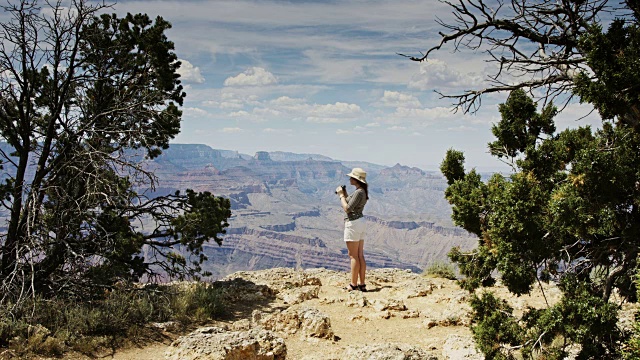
[[83, 98], [569, 211]]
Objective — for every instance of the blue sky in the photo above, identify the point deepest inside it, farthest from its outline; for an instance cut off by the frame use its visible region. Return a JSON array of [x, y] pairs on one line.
[[324, 77]]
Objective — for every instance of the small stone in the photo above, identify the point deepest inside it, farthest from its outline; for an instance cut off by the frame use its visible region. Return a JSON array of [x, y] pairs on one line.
[[411, 314]]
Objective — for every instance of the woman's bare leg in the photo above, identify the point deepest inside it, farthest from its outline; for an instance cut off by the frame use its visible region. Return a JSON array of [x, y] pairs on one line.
[[363, 264], [353, 246]]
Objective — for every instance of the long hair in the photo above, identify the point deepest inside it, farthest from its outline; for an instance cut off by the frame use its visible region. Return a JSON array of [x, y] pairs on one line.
[[364, 186]]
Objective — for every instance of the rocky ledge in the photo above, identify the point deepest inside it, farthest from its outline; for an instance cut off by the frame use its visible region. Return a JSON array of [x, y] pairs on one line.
[[282, 313], [310, 315]]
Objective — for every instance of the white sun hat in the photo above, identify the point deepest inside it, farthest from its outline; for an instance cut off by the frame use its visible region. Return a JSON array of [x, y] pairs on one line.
[[358, 174]]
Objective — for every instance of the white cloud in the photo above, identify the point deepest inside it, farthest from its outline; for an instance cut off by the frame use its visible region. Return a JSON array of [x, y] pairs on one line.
[[316, 48], [397, 128], [194, 112], [337, 109], [254, 116], [286, 101], [333, 113], [278, 131], [461, 128], [189, 73], [240, 113], [414, 119], [253, 76], [427, 113], [327, 120], [575, 114], [231, 105], [398, 99], [231, 130], [225, 99], [266, 112], [333, 67], [362, 130], [436, 74]]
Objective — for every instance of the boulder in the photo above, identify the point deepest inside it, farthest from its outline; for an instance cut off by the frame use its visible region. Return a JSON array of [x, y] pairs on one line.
[[356, 299], [279, 279], [298, 295], [214, 343], [458, 347], [309, 322], [387, 352], [389, 304], [238, 290], [454, 315], [419, 290]]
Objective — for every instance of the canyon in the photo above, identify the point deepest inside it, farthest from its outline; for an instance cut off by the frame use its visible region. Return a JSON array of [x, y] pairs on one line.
[[285, 212]]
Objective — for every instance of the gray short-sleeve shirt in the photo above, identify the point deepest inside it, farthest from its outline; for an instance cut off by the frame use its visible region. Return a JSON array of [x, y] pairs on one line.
[[356, 201]]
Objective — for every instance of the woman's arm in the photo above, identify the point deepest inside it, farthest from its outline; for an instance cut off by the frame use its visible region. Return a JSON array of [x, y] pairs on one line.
[[342, 192], [355, 199], [343, 202]]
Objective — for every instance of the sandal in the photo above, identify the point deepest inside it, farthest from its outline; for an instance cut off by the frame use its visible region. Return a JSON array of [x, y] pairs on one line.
[[352, 287], [362, 287]]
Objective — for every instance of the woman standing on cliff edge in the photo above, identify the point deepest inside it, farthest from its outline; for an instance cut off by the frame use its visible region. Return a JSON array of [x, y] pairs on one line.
[[355, 226]]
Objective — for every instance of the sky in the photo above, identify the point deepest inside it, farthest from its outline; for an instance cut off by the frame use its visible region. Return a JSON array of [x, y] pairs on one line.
[[325, 77]]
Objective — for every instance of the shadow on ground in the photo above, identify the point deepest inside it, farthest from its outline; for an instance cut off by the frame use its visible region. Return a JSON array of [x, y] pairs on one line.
[[241, 297]]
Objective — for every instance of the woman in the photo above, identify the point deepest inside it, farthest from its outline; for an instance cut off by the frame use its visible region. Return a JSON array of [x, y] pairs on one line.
[[354, 225]]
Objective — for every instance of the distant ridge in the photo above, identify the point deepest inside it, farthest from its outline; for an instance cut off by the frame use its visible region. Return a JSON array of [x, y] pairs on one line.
[[289, 156], [202, 151]]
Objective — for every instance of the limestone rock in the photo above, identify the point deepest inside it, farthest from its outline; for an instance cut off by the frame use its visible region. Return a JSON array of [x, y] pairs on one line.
[[359, 318], [214, 343], [279, 279], [458, 297], [419, 290], [458, 347], [169, 326], [298, 295], [387, 275], [307, 321], [242, 290], [356, 299], [452, 316], [389, 304], [243, 324], [411, 314], [387, 352], [330, 300]]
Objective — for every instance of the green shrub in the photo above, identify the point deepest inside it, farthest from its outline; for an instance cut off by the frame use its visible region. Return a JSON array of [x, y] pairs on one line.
[[199, 303], [632, 345], [121, 314], [442, 270], [547, 333]]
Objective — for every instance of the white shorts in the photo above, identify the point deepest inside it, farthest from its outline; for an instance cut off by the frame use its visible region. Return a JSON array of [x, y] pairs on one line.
[[354, 230]]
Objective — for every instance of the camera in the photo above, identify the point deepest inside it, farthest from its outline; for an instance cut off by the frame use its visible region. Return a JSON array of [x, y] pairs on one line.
[[344, 189]]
